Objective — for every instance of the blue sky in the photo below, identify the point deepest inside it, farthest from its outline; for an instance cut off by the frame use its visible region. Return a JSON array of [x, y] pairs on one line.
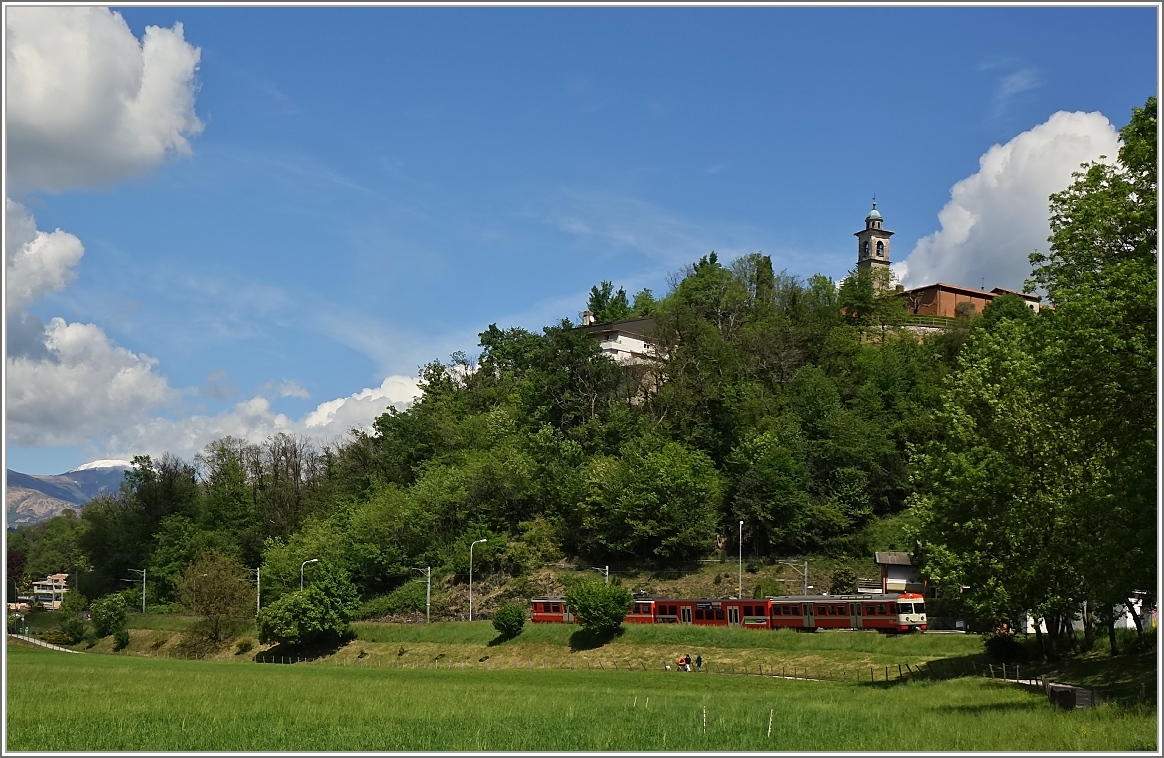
[[336, 196]]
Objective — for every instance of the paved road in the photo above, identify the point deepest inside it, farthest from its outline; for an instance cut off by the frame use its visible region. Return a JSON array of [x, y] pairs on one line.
[[42, 643]]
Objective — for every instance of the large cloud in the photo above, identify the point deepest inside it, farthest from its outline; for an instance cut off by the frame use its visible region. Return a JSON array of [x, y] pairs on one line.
[[254, 420], [998, 216], [64, 382], [88, 104], [85, 386]]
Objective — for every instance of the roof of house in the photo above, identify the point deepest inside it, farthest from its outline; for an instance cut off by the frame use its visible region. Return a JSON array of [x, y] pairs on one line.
[[893, 559], [640, 326], [1023, 295], [976, 292]]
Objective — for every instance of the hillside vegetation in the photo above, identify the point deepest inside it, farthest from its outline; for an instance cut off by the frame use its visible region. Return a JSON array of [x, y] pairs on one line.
[[1013, 453]]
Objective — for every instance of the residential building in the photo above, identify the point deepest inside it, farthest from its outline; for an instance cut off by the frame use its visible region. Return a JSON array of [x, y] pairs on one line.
[[898, 573], [51, 590], [625, 341]]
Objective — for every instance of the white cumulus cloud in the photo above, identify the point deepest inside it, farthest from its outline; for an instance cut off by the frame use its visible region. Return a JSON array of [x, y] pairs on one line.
[[64, 382], [254, 420], [85, 387], [36, 263], [88, 104], [998, 216]]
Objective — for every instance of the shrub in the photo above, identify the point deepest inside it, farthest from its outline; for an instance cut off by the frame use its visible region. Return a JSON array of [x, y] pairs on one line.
[[56, 637], [108, 614], [318, 613], [406, 599], [121, 639], [599, 608], [244, 646], [843, 581], [509, 620], [1006, 648], [75, 629]]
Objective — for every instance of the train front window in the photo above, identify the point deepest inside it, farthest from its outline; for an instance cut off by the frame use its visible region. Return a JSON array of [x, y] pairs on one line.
[[905, 607], [919, 607]]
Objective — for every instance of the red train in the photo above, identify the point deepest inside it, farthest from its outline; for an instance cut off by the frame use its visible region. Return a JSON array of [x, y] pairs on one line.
[[896, 612]]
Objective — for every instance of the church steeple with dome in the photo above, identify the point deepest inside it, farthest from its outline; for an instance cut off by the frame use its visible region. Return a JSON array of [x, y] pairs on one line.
[[873, 243]]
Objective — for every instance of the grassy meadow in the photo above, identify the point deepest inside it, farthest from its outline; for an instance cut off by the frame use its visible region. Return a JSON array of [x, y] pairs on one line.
[[120, 703]]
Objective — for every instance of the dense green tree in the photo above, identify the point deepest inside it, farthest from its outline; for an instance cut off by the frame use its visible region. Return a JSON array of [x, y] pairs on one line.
[[658, 498], [999, 495], [599, 608], [769, 487], [318, 614], [108, 614], [1099, 350], [509, 620], [217, 588], [1004, 307], [644, 303], [608, 305]]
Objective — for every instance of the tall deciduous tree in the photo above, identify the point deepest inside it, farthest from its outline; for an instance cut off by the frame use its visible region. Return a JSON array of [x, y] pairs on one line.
[[217, 588], [1100, 352], [608, 305]]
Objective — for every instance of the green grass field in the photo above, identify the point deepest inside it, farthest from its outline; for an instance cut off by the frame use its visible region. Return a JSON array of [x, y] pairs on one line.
[[121, 703]]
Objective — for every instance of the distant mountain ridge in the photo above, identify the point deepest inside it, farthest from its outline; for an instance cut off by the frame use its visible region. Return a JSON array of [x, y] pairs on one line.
[[32, 498]]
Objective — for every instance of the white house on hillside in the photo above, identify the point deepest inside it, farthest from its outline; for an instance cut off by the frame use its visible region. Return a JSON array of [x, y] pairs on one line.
[[625, 341]]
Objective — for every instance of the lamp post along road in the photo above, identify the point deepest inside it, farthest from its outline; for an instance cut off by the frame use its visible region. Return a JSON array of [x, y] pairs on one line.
[[478, 542], [739, 589], [143, 586], [310, 560]]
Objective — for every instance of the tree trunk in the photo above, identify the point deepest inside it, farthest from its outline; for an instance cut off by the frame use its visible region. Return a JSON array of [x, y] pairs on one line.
[[1039, 638], [1088, 626], [1111, 637], [1136, 619]]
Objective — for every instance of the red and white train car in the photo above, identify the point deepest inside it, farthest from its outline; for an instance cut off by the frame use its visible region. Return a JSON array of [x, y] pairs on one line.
[[903, 612], [550, 610]]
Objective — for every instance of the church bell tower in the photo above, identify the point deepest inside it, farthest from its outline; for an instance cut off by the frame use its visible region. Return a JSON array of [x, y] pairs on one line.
[[873, 246]]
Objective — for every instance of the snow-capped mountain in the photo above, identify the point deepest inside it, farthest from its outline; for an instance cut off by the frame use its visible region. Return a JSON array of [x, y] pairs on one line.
[[32, 498]]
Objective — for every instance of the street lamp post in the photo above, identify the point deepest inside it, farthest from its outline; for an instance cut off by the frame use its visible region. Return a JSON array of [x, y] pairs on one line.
[[258, 590], [143, 586], [740, 588], [310, 560], [478, 542], [427, 573]]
